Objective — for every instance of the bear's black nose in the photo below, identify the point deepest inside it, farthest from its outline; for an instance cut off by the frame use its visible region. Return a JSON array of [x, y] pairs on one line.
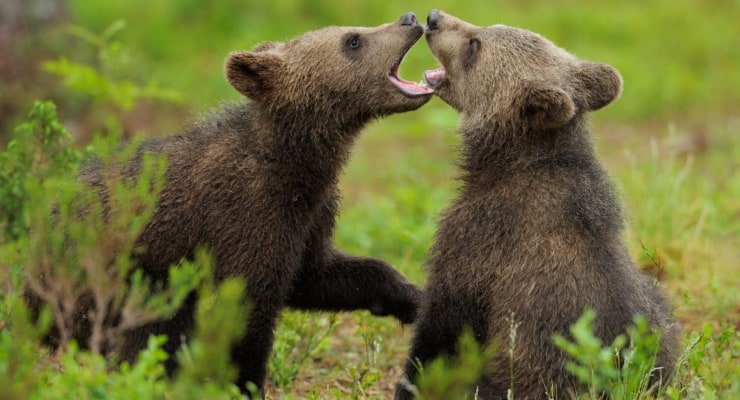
[[408, 19], [432, 19]]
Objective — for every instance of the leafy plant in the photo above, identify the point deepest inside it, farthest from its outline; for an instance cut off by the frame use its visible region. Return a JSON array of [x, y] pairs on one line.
[[206, 371], [454, 377], [40, 149], [620, 370], [300, 336], [74, 251], [69, 255], [367, 373], [78, 374], [20, 339], [709, 366]]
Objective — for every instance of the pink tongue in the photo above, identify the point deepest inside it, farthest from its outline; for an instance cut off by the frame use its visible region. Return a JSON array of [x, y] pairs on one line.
[[434, 76]]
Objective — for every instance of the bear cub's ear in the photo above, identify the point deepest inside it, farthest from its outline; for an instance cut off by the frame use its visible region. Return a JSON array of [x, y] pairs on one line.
[[254, 74], [545, 106], [265, 46], [599, 84]]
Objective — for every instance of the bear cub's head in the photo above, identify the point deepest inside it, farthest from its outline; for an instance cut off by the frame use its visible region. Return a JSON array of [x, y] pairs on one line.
[[348, 70], [513, 77]]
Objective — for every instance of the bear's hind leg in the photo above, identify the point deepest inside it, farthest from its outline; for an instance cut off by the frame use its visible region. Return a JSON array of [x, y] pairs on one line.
[[436, 333], [177, 329], [251, 353]]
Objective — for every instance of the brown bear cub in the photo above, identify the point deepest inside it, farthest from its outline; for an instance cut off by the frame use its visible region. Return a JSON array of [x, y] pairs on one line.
[[535, 233], [257, 184]]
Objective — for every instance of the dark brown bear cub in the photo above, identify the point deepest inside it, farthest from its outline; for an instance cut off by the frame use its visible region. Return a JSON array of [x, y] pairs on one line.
[[257, 184], [535, 233]]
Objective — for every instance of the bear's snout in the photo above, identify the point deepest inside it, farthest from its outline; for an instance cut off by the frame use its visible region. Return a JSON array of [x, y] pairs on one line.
[[432, 19], [408, 19]]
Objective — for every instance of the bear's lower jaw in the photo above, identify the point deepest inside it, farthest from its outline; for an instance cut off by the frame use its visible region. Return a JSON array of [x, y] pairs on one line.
[[409, 89]]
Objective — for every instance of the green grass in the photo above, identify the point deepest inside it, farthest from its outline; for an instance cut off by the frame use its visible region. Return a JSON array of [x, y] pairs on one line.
[[670, 144]]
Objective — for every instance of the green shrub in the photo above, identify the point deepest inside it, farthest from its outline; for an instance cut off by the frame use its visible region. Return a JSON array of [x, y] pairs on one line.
[[70, 256], [710, 366], [27, 373], [75, 253], [620, 370], [454, 377], [301, 335], [20, 338], [206, 371], [39, 150]]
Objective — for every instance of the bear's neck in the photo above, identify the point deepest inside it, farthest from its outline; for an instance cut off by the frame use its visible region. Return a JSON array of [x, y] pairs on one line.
[[491, 150], [309, 141]]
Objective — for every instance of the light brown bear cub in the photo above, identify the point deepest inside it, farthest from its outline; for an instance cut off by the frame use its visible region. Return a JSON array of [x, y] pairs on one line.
[[257, 184], [535, 232]]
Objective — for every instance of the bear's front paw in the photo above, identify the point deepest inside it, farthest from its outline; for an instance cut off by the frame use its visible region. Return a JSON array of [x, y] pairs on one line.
[[403, 304]]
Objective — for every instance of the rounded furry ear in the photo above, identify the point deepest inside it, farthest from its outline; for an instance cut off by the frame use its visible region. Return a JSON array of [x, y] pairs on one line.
[[254, 74], [600, 84], [545, 106]]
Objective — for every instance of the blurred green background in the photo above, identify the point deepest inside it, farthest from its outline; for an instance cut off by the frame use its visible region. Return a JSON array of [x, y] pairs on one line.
[[670, 142], [679, 58]]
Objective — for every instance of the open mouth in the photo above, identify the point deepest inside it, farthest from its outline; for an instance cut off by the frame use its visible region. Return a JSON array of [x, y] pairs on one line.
[[434, 77], [408, 88]]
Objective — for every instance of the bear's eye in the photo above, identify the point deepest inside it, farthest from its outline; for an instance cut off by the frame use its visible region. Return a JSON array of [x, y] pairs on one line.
[[353, 42]]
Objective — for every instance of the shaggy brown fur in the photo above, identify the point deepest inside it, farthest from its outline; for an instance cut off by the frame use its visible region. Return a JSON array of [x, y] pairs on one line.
[[535, 232], [257, 184]]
